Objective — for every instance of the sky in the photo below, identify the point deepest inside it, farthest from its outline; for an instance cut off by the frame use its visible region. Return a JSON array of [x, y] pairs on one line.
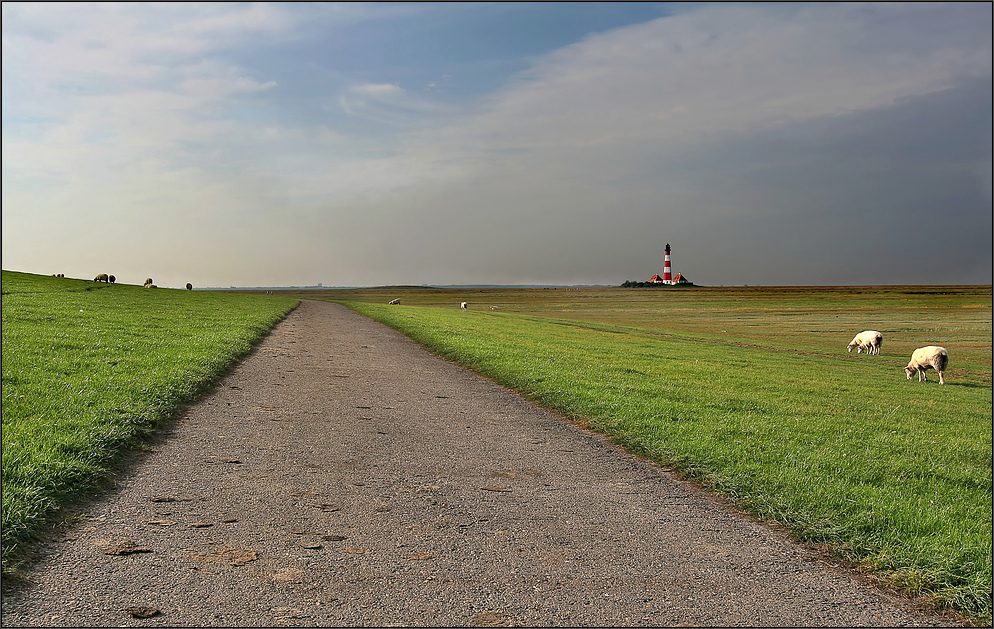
[[354, 144]]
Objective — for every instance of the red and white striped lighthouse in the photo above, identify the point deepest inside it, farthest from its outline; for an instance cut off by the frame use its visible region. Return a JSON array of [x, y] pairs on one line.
[[667, 274]]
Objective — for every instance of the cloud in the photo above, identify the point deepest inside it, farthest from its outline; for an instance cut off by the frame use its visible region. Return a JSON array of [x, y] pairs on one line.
[[114, 87], [388, 104], [724, 129], [216, 88], [719, 70], [700, 128], [83, 43], [379, 91]]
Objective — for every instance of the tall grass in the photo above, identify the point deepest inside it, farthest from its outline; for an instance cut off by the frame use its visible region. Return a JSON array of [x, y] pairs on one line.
[[894, 476], [89, 367]]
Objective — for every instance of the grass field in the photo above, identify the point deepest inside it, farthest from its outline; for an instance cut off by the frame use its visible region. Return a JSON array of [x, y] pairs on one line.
[[751, 392], [748, 391], [88, 368]]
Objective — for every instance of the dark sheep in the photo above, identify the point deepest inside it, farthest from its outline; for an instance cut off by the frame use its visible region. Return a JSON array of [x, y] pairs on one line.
[[112, 279], [148, 281], [189, 286]]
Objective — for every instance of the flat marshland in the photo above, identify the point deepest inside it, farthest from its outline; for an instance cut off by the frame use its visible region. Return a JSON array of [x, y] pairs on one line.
[[90, 367], [751, 392]]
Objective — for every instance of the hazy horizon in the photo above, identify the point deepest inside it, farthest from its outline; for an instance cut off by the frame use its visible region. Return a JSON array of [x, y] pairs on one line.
[[546, 144]]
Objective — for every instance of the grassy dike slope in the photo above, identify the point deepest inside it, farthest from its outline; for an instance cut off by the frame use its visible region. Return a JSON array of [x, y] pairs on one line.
[[88, 367], [893, 475]]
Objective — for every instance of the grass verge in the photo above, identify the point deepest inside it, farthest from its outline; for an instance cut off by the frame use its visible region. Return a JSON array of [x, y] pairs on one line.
[[88, 368]]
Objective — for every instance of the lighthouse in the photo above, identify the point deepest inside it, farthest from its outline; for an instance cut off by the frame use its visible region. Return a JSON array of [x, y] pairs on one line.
[[667, 274]]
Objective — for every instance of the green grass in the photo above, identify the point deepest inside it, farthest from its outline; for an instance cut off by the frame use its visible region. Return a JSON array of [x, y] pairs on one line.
[[752, 394], [747, 391], [89, 368]]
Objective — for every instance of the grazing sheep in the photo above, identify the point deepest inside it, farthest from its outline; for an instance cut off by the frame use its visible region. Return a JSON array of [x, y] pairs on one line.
[[869, 341], [101, 278], [111, 278], [394, 302], [463, 305], [148, 281], [494, 308], [189, 286], [925, 358]]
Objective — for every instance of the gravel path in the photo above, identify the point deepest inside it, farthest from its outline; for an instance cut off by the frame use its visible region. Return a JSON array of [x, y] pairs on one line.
[[342, 475]]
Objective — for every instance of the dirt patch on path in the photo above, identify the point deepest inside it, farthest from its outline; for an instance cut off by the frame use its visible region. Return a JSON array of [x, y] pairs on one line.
[[342, 475]]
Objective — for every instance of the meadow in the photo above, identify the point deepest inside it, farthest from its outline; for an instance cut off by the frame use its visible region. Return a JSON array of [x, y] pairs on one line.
[[748, 391], [91, 368], [751, 392]]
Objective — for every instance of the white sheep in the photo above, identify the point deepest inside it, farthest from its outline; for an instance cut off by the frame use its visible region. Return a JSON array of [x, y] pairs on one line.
[[463, 305], [394, 302], [869, 341], [925, 358], [494, 307]]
